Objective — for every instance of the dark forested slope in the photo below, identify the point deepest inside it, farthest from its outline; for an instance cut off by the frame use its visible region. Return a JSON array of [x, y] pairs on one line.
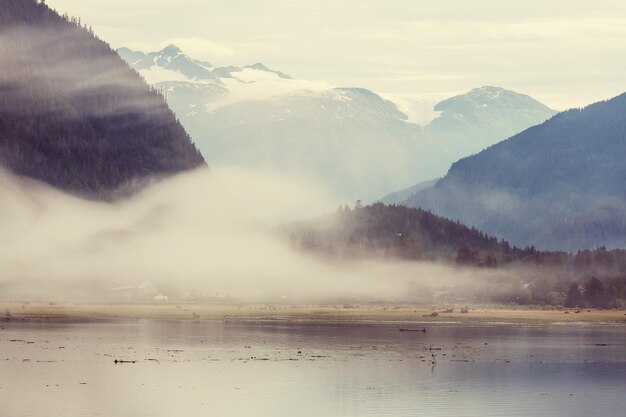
[[397, 231], [559, 185], [73, 114], [595, 278]]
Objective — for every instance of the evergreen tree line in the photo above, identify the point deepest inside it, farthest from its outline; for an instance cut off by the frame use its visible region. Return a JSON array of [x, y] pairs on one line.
[[393, 232]]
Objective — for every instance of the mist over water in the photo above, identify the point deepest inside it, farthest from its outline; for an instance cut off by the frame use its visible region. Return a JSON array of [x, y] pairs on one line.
[[198, 231]]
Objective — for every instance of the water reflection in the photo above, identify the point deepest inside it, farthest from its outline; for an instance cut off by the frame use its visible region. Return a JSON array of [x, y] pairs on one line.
[[249, 369]]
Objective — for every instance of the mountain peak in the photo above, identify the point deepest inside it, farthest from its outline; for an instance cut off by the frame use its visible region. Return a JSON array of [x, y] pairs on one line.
[[489, 91], [171, 50], [259, 66], [479, 98], [489, 88]]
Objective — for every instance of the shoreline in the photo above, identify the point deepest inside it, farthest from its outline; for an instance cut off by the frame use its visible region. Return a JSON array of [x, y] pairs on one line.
[[338, 314]]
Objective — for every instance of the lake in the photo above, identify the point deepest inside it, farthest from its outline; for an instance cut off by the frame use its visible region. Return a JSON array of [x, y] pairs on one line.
[[188, 369]]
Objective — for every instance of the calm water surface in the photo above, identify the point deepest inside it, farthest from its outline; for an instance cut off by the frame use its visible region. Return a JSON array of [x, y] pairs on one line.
[[189, 369]]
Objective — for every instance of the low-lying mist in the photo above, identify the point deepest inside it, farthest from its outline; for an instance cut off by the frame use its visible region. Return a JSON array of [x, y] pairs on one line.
[[198, 234]]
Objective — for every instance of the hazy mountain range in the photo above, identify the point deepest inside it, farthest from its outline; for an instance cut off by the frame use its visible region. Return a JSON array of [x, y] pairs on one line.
[[73, 114], [559, 185], [351, 140], [76, 116]]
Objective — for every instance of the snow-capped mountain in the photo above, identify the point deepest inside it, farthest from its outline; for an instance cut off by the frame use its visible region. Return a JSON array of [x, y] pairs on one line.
[[169, 60], [484, 116], [355, 142], [173, 62], [348, 139], [171, 70]]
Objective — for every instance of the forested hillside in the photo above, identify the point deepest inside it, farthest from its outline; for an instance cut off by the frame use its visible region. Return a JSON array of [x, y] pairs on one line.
[[393, 232], [73, 114], [559, 185]]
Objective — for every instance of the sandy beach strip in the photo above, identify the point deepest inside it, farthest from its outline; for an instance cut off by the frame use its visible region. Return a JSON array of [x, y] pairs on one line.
[[361, 313]]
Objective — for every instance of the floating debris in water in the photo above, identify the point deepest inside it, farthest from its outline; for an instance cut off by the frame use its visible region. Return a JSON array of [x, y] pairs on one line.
[[116, 361]]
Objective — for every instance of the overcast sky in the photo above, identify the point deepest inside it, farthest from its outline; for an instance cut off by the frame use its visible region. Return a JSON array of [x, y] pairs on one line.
[[566, 53]]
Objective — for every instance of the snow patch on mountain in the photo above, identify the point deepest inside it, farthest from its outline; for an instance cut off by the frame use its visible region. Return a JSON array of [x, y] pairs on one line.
[[171, 69], [263, 89], [156, 75], [419, 110]]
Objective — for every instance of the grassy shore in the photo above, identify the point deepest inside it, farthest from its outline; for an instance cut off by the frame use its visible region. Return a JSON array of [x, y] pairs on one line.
[[363, 313]]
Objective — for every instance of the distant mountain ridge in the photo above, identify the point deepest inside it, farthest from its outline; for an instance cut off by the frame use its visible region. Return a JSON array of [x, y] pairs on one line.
[[73, 114], [399, 197], [173, 59], [351, 140], [471, 117], [559, 185]]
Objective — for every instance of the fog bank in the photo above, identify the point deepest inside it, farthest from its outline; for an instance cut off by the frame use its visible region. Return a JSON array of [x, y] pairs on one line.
[[196, 233]]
